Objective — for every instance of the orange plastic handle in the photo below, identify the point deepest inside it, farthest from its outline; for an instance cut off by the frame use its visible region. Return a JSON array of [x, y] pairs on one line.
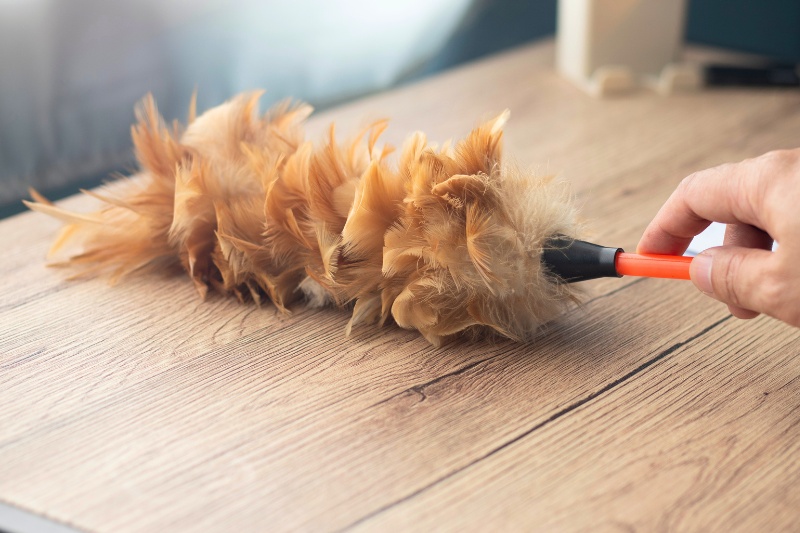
[[653, 266]]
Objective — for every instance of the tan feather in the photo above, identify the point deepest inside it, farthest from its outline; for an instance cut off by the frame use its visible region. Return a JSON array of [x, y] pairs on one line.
[[445, 240]]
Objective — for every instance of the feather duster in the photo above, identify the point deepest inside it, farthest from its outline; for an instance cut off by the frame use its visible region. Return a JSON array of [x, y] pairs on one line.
[[443, 240]]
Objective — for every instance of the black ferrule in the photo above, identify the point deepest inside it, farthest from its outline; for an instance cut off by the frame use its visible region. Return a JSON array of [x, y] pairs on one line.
[[572, 260]]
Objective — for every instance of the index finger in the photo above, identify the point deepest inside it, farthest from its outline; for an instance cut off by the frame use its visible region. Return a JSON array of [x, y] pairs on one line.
[[727, 194]]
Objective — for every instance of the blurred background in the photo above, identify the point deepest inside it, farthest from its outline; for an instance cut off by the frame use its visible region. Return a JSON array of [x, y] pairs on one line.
[[72, 70]]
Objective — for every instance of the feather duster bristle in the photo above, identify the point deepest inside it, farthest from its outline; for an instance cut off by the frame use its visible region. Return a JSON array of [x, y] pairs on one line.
[[444, 240]]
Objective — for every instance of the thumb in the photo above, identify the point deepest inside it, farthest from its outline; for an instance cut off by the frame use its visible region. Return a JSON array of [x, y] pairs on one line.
[[734, 275]]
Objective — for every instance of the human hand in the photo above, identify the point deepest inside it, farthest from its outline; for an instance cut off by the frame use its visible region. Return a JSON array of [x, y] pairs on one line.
[[759, 200]]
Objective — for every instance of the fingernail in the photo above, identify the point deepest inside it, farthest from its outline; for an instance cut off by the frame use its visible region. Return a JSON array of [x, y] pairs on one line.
[[701, 272]]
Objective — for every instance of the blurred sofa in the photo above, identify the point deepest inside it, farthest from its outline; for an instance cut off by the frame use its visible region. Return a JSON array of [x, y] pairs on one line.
[[72, 70]]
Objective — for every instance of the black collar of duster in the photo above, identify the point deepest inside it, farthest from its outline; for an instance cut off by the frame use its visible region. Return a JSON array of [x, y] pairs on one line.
[[572, 260]]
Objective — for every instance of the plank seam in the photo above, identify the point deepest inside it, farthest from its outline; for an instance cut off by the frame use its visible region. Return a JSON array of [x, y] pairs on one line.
[[420, 388], [555, 416]]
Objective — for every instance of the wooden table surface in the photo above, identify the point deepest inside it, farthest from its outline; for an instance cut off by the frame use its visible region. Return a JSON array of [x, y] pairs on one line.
[[140, 408]]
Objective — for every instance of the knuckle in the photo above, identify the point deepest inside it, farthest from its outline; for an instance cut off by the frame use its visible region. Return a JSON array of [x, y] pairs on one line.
[[688, 182], [789, 311], [778, 165], [789, 297], [727, 280], [781, 295], [792, 315], [779, 157], [772, 155], [772, 288]]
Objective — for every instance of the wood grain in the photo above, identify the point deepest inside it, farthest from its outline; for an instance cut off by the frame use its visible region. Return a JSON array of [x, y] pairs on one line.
[[140, 408], [705, 439]]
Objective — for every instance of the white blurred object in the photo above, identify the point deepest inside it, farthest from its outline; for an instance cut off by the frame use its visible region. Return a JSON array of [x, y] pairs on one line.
[[711, 237], [612, 46]]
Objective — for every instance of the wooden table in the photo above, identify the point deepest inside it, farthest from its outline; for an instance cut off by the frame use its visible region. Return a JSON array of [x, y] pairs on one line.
[[139, 408]]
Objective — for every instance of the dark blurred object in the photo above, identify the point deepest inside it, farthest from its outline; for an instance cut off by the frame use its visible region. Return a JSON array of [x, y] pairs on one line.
[[770, 76]]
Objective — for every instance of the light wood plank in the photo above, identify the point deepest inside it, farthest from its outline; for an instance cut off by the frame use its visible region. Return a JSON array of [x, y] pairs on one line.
[[322, 442], [705, 439]]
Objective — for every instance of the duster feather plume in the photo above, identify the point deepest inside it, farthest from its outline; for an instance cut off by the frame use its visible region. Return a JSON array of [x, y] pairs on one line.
[[445, 240]]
